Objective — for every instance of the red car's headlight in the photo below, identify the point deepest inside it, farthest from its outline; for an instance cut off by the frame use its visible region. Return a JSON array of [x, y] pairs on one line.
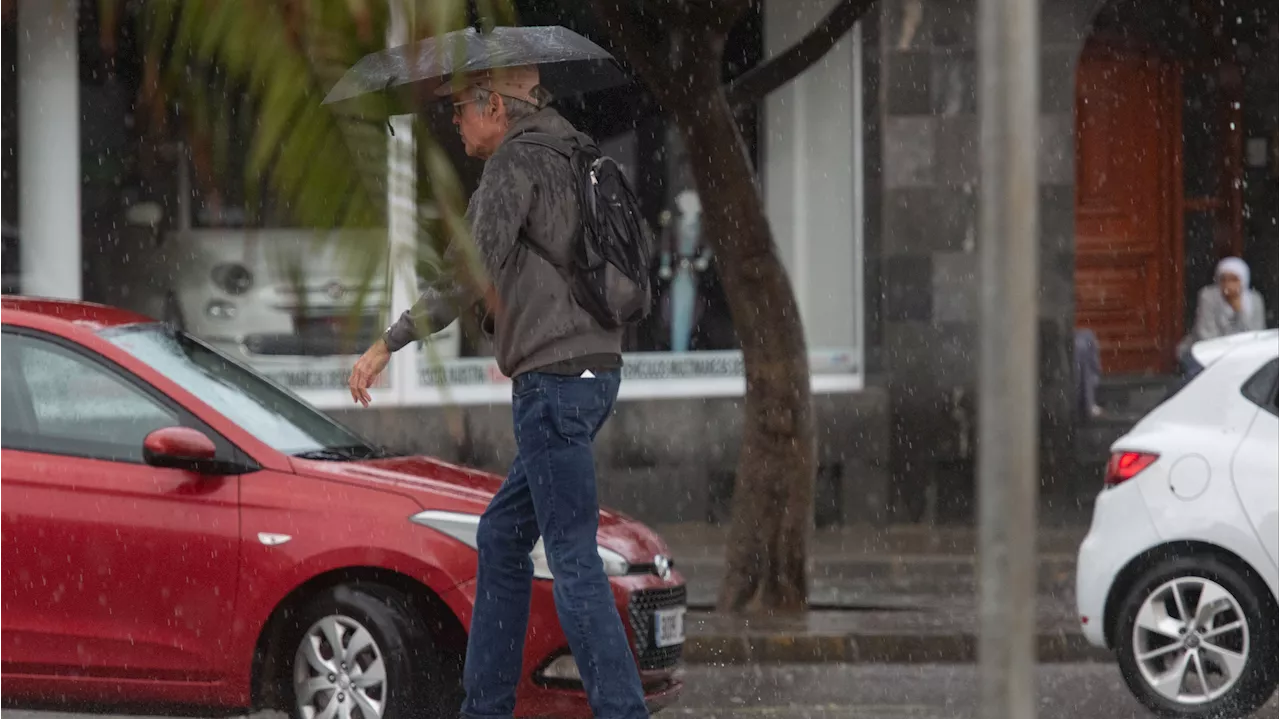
[[463, 527]]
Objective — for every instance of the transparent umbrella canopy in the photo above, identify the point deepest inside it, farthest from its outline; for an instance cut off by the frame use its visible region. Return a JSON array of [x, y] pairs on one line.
[[568, 63]]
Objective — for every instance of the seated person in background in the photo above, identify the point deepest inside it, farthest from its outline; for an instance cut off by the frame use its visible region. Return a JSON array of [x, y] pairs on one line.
[[1088, 366], [1226, 307]]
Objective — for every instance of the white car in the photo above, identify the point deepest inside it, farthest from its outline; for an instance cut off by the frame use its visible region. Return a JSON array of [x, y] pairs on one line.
[[274, 297], [1178, 571]]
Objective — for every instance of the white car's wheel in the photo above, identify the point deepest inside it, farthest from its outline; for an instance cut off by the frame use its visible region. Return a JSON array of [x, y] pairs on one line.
[[1197, 639]]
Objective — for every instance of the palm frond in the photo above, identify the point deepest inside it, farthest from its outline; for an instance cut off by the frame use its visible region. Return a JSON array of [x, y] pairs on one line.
[[223, 66]]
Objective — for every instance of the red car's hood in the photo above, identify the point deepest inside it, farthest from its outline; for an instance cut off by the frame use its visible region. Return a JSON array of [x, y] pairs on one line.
[[436, 484], [433, 483]]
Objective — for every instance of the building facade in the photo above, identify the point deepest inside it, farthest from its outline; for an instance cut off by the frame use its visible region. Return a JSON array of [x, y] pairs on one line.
[[1157, 157]]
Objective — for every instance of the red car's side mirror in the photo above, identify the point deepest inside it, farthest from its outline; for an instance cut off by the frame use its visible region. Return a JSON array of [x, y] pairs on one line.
[[180, 448]]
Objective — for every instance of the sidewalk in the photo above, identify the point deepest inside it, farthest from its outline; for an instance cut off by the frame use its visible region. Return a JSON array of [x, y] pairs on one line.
[[898, 595]]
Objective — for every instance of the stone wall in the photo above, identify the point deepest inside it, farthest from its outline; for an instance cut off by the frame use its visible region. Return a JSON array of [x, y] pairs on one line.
[[928, 240], [668, 460]]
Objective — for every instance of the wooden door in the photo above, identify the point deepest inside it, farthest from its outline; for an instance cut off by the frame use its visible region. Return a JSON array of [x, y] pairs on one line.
[[1128, 199]]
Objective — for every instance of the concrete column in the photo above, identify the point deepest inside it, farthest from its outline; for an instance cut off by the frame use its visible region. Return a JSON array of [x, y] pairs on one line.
[[49, 148], [402, 220], [811, 175]]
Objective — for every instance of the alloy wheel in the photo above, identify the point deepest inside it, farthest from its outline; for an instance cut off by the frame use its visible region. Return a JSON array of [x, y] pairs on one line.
[[1191, 640], [339, 672]]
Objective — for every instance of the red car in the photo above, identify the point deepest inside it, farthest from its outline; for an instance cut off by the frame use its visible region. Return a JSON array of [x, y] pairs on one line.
[[178, 529]]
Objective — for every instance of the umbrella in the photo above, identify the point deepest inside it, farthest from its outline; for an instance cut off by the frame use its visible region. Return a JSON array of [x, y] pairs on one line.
[[568, 63]]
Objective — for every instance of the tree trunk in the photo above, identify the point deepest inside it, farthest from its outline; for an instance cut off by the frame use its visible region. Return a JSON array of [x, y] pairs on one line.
[[773, 492]]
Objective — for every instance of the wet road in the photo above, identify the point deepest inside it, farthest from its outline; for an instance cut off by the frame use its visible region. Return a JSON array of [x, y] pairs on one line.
[[918, 691], [834, 691]]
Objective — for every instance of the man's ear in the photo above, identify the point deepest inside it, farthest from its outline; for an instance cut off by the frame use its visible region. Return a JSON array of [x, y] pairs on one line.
[[495, 106]]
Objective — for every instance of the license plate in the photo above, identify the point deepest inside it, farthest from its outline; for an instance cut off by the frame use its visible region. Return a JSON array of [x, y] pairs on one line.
[[668, 627]]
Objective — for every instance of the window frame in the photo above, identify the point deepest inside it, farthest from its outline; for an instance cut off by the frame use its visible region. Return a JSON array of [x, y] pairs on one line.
[[1263, 386], [227, 451]]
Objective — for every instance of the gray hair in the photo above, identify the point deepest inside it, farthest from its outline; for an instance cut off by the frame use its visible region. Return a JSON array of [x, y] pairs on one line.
[[517, 109]]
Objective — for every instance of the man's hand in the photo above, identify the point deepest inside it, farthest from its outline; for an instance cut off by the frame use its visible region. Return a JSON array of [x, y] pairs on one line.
[[367, 369]]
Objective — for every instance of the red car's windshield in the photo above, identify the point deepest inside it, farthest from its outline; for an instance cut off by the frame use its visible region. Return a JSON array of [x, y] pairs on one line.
[[265, 410]]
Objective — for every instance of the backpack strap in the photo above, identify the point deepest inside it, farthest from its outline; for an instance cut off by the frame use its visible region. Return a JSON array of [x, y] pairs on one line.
[[560, 147], [564, 149]]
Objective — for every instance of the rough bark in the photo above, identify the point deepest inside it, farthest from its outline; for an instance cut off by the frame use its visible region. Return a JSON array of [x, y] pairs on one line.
[[773, 493]]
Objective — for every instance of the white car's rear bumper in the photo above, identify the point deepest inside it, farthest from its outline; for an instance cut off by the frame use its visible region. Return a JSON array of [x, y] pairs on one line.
[[1121, 530]]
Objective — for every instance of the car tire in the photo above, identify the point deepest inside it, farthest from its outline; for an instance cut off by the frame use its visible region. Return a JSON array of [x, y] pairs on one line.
[[377, 626], [1238, 665]]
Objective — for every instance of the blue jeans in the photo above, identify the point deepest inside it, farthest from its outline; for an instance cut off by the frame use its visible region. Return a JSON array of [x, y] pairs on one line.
[[1088, 365], [549, 492]]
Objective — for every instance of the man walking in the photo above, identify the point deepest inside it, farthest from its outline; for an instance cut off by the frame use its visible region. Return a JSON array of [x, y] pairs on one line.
[[564, 367]]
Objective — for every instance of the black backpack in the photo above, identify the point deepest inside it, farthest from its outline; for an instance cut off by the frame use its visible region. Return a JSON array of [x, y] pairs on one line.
[[609, 276]]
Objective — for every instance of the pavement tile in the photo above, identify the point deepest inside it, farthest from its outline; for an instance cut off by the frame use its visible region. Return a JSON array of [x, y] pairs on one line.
[[690, 541], [902, 594], [938, 635]]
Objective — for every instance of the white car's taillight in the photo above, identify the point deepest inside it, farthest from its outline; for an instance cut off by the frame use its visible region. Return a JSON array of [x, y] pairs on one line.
[[1124, 466]]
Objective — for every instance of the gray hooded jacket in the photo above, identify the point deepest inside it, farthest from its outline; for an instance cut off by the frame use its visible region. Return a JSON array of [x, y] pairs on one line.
[[527, 194]]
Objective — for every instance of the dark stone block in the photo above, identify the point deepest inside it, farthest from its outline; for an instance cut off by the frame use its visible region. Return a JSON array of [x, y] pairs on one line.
[[1058, 80], [828, 502], [1056, 153], [1057, 219], [692, 439], [853, 426], [923, 221], [1056, 339], [1057, 286], [928, 425], [908, 288], [657, 495], [907, 83], [953, 23], [954, 83], [955, 287], [865, 490], [911, 222], [957, 151], [906, 25], [695, 481], [954, 491], [958, 207], [1066, 22], [927, 357], [490, 441], [908, 151], [831, 492], [720, 496]]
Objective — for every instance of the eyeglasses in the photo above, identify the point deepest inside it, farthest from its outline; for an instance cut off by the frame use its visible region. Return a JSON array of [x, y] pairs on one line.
[[457, 106]]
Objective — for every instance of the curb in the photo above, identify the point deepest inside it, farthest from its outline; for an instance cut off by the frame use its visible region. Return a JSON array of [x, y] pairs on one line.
[[872, 648], [854, 582], [1052, 572]]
